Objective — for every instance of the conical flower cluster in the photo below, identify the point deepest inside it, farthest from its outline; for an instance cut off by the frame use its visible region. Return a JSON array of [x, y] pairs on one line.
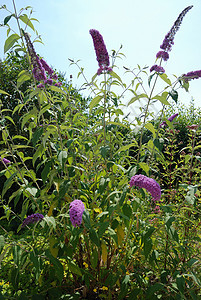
[[147, 183], [76, 211], [101, 51]]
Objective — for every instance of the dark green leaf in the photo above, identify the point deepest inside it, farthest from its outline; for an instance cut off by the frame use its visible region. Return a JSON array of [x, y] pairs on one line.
[[57, 265]]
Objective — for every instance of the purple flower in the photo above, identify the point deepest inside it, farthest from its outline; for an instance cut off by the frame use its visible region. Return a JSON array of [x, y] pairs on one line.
[[192, 75], [169, 38], [147, 183], [38, 69], [163, 54], [157, 68], [171, 118], [32, 219], [5, 161], [49, 81], [101, 51], [40, 86], [46, 67], [58, 84], [76, 211]]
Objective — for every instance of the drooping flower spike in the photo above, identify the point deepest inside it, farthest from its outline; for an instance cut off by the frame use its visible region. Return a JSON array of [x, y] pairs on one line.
[[101, 51], [76, 211], [171, 118], [192, 75], [147, 183], [169, 38], [40, 67], [32, 219], [168, 41]]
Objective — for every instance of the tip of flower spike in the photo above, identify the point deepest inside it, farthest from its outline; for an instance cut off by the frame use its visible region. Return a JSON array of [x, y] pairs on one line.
[[147, 183], [32, 219], [5, 161], [171, 118]]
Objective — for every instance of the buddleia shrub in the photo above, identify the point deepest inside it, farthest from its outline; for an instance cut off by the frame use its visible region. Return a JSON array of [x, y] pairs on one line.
[[96, 222]]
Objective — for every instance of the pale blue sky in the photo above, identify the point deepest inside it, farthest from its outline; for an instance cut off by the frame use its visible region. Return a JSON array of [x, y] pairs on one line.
[[139, 25]]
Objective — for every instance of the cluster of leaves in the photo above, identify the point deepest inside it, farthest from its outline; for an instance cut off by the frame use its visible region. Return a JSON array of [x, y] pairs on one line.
[[69, 148]]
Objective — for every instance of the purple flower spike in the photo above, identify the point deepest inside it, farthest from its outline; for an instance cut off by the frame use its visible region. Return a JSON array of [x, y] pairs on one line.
[[38, 69], [157, 68], [169, 38], [171, 118], [147, 183], [101, 51], [192, 75], [76, 211], [163, 54], [5, 161], [32, 219]]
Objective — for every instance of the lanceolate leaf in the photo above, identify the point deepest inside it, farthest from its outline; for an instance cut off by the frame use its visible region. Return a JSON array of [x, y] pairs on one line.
[[2, 92], [94, 102], [22, 77], [137, 98], [10, 41], [24, 18]]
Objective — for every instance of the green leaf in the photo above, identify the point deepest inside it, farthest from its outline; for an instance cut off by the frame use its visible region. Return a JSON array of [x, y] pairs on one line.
[[127, 210], [137, 98], [162, 98], [86, 219], [94, 102], [74, 268], [113, 74], [24, 18], [2, 92], [94, 258], [50, 221], [36, 136], [192, 261], [22, 77], [8, 183], [174, 95], [165, 78], [2, 242], [46, 171], [10, 41], [144, 166], [113, 235], [154, 288], [151, 128], [7, 19], [104, 150], [10, 119], [180, 283], [57, 89], [94, 237], [124, 148], [150, 78], [62, 157], [59, 270]]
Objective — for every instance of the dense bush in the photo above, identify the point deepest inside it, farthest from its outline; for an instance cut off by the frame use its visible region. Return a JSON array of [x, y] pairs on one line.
[[97, 222]]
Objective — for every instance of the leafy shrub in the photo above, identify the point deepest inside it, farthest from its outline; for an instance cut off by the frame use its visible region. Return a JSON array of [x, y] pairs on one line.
[[118, 241]]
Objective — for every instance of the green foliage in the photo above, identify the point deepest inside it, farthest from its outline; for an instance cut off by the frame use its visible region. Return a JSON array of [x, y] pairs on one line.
[[67, 147]]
